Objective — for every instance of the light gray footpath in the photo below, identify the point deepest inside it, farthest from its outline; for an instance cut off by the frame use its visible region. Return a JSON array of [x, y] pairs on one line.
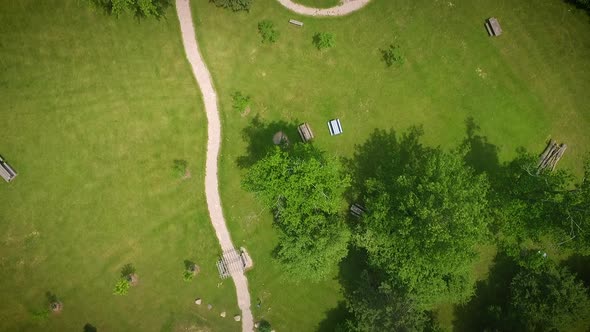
[[213, 143], [344, 8]]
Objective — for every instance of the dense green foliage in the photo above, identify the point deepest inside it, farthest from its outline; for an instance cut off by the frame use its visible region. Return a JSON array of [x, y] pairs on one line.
[[235, 5], [548, 300], [377, 306], [427, 212], [303, 187], [323, 40], [267, 31], [140, 8], [529, 207]]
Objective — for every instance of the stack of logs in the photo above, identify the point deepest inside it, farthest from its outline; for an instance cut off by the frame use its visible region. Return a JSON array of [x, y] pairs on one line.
[[550, 156]]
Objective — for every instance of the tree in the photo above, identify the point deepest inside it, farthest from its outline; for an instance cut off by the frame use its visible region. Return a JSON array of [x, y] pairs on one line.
[[140, 8], [426, 212], [303, 187], [235, 5], [267, 31], [392, 55], [377, 306], [548, 300], [530, 207], [323, 40]]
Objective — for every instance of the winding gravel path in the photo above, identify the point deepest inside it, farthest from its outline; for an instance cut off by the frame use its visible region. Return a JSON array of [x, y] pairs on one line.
[[345, 8], [213, 143]]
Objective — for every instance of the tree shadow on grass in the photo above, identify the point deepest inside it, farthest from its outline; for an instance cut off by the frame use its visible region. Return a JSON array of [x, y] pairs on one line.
[[259, 136], [482, 155], [486, 311], [350, 271], [382, 154], [89, 328]]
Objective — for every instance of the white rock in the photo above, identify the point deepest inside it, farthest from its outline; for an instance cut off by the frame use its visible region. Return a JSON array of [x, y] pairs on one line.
[[237, 318], [222, 314], [198, 301]]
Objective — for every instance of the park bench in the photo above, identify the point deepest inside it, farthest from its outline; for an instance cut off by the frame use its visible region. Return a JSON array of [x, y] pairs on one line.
[[6, 171], [493, 27], [357, 210], [305, 132], [295, 22], [335, 127]]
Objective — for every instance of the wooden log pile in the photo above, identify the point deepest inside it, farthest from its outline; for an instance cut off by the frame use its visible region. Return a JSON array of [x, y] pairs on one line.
[[549, 158]]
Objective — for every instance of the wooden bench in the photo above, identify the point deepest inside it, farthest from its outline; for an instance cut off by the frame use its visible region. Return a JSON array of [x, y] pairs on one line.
[[305, 132], [493, 27], [6, 171], [357, 210], [295, 22]]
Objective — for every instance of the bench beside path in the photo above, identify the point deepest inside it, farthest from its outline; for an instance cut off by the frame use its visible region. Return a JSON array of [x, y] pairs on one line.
[[205, 83]]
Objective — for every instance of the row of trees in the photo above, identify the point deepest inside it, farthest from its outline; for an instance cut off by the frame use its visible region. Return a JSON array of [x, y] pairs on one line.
[[426, 212]]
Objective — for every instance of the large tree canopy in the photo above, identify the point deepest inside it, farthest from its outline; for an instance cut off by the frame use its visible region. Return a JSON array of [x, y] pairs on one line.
[[548, 300], [304, 189], [426, 213], [142, 8], [528, 206], [377, 306]]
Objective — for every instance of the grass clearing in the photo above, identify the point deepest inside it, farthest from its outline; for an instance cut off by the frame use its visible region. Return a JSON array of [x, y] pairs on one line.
[[520, 88], [95, 111]]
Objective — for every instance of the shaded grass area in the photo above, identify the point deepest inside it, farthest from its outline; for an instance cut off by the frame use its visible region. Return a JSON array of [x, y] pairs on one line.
[[95, 110], [518, 90], [318, 3]]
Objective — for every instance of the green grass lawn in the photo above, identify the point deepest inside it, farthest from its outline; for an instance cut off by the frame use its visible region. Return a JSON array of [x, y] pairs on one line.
[[94, 111], [319, 3], [520, 89]]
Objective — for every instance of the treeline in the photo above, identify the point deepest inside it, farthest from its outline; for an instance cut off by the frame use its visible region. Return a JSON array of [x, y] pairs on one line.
[[426, 212]]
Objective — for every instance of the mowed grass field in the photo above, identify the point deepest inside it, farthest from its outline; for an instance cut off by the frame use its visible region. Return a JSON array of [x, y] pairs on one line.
[[521, 88], [94, 111]]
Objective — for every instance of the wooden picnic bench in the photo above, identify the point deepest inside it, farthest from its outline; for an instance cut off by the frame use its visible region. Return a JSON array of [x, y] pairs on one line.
[[6, 171], [493, 27], [305, 132]]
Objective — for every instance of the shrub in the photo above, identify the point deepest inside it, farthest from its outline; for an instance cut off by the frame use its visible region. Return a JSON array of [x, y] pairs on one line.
[[235, 5], [393, 55], [323, 40], [188, 275], [264, 326], [240, 101], [122, 287], [179, 168], [268, 32]]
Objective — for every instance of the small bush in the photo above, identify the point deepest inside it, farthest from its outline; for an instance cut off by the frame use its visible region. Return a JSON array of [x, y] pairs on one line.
[[323, 40], [240, 101], [264, 326], [179, 168], [267, 31], [122, 287], [187, 275], [393, 55], [127, 270]]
